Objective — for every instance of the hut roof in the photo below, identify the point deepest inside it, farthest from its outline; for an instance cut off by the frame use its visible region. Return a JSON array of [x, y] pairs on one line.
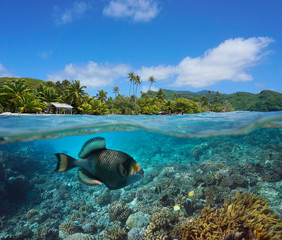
[[60, 105]]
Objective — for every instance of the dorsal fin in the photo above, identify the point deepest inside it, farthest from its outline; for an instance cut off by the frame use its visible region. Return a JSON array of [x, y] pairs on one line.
[[86, 179], [92, 145]]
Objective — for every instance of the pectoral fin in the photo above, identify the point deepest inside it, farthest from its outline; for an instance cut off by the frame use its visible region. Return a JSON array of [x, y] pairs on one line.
[[123, 172], [86, 179]]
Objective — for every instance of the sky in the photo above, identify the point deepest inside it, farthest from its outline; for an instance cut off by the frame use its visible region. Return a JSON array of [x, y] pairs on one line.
[[218, 45]]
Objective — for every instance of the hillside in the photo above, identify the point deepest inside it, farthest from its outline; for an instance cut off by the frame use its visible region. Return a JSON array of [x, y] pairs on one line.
[[30, 82], [265, 101]]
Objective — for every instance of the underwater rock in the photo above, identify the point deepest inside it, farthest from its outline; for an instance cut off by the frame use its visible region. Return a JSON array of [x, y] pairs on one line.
[[138, 220], [272, 192], [104, 198], [136, 234], [80, 236], [45, 233], [31, 213], [89, 227]]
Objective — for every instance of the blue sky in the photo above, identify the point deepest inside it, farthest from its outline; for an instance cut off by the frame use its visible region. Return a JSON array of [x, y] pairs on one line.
[[219, 45]]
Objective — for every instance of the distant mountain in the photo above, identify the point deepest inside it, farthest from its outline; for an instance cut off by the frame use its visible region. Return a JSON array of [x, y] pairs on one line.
[[264, 101], [30, 82]]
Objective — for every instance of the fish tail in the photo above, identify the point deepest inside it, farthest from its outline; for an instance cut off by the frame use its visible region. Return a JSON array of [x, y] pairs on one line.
[[65, 162]]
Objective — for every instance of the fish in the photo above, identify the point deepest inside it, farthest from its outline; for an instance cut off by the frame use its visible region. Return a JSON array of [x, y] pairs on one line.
[[176, 207], [191, 194], [98, 165], [158, 189]]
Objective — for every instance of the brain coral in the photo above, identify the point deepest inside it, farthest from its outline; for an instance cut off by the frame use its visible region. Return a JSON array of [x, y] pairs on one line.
[[245, 215]]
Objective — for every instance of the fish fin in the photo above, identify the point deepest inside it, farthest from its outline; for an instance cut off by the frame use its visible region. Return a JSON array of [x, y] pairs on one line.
[[123, 172], [86, 179], [64, 163], [135, 167], [92, 145]]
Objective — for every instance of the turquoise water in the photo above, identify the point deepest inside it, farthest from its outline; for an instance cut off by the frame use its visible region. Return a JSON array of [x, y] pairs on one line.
[[210, 155]]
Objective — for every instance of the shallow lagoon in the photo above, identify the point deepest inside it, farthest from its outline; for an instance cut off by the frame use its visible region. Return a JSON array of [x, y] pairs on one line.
[[190, 162]]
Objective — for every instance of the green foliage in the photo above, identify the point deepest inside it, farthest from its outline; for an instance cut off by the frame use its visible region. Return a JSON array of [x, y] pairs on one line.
[[12, 92], [31, 83], [47, 94], [29, 103], [31, 95], [183, 105], [74, 93], [240, 101], [98, 108]]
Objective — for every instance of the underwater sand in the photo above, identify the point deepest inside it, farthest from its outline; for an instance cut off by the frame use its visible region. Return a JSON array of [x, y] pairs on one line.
[[190, 162]]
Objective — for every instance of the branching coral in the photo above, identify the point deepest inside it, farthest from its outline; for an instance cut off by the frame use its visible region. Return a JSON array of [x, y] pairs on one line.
[[245, 214]]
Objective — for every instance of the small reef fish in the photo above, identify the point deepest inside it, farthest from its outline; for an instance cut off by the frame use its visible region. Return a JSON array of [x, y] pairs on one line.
[[176, 207], [191, 194], [98, 165], [158, 189]]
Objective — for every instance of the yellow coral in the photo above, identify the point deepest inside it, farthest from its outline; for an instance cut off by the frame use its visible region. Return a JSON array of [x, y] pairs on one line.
[[246, 214]]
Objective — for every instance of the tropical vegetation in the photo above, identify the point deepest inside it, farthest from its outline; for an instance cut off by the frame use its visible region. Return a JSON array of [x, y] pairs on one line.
[[27, 95]]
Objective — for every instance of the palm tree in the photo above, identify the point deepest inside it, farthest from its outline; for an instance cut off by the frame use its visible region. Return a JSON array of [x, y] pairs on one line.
[[102, 95], [160, 94], [29, 103], [47, 94], [116, 90], [131, 77], [74, 93], [137, 82], [13, 92], [151, 80]]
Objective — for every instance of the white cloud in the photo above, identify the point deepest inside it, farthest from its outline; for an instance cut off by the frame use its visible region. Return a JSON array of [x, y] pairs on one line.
[[260, 85], [68, 15], [228, 61], [145, 88], [138, 10], [45, 54], [160, 72], [93, 75], [4, 72]]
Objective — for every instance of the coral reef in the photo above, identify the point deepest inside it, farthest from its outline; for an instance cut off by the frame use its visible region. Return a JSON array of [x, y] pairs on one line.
[[246, 215], [115, 233], [80, 236], [161, 206], [119, 211], [138, 220], [136, 234], [160, 226], [68, 228]]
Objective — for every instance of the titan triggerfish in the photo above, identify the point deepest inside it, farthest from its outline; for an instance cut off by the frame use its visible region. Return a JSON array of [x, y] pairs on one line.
[[98, 165]]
